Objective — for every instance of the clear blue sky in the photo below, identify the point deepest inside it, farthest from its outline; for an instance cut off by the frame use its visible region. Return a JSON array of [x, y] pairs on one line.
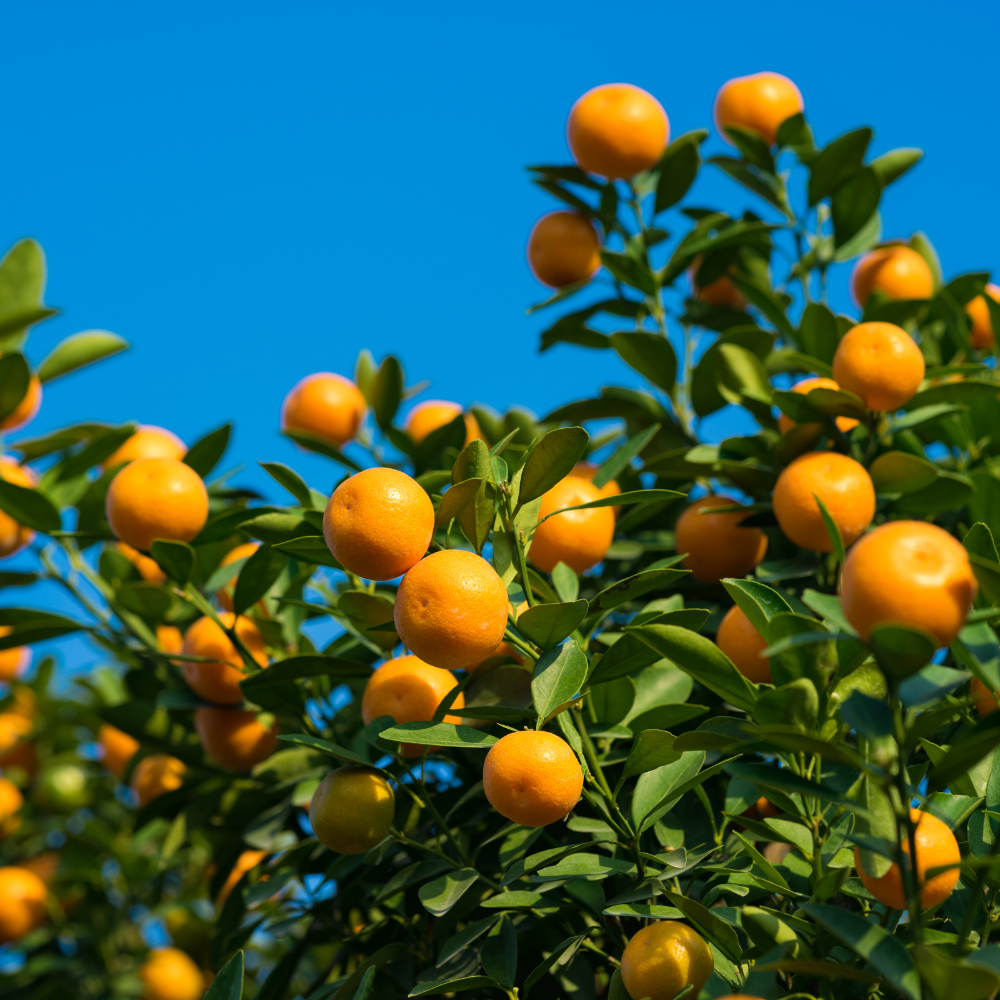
[[250, 192]]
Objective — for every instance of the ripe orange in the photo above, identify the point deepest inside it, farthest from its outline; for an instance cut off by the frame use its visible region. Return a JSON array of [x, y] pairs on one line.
[[721, 292], [759, 102], [842, 484], [22, 903], [981, 323], [910, 573], [171, 974], [149, 569], [234, 739], [247, 861], [379, 523], [579, 538], [766, 808], [244, 551], [148, 442], [327, 405], [743, 644], [936, 846], [11, 801], [155, 776], [451, 609], [26, 410], [563, 249], [408, 690], [785, 424], [218, 681], [897, 271], [14, 536], [617, 130], [664, 958], [587, 471], [427, 417], [169, 638], [983, 698], [880, 363], [156, 498], [119, 748], [13, 662], [532, 778], [715, 544], [352, 810], [16, 748]]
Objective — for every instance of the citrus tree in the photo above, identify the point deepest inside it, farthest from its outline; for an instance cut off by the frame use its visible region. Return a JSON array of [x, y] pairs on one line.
[[609, 712]]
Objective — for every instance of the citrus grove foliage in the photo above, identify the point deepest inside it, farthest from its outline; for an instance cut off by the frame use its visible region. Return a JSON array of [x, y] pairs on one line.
[[620, 713]]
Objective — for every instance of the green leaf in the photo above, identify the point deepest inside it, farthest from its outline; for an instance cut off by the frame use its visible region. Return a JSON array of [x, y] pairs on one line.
[[546, 625], [258, 575], [620, 500], [228, 984], [901, 650], [566, 582], [758, 602], [676, 790], [439, 896], [965, 752], [456, 498], [652, 748], [499, 953], [306, 665], [561, 954], [387, 391], [784, 780], [979, 542], [441, 734], [854, 204], [892, 165], [901, 472], [619, 460], [204, 454], [632, 587], [15, 378], [534, 862], [629, 271], [951, 979], [22, 282], [650, 354], [291, 480], [721, 934], [550, 461], [557, 678], [678, 168], [325, 746], [837, 163], [176, 559], [29, 507], [585, 866], [818, 332], [832, 531], [313, 442], [794, 133], [367, 984], [453, 986], [520, 899], [31, 626], [78, 351], [309, 549]]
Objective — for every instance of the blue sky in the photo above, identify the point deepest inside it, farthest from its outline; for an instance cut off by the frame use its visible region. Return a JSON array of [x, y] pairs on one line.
[[251, 192]]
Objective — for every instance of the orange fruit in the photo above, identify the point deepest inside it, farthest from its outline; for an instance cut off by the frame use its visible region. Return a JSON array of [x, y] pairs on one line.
[[980, 321], [617, 130], [897, 271], [379, 523], [842, 484], [171, 974], [716, 545], [156, 775], [936, 846], [25, 702], [218, 681], [149, 569], [22, 903], [880, 363], [563, 249], [785, 424], [532, 778], [15, 661], [721, 292], [451, 609], [247, 861], [156, 498], [148, 442], [14, 536], [743, 644], [579, 538], [11, 801], [759, 102], [119, 748], [984, 699], [587, 471], [352, 810], [427, 417], [408, 690], [504, 649], [26, 410], [16, 749], [766, 808], [664, 958], [327, 405], [244, 551], [910, 573], [169, 638], [234, 739]]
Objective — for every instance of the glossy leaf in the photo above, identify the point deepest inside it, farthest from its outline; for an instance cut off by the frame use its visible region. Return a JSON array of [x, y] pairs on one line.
[[650, 354], [228, 984], [29, 507], [444, 734], [546, 625], [439, 896], [551, 460], [204, 454], [557, 678], [78, 351]]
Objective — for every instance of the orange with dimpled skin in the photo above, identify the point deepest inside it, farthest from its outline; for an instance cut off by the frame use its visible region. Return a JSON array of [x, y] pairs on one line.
[[664, 958], [234, 739], [219, 681], [579, 538], [327, 405], [427, 417], [716, 545], [896, 270], [563, 249], [147, 442], [743, 644], [844, 424], [759, 102], [881, 363]]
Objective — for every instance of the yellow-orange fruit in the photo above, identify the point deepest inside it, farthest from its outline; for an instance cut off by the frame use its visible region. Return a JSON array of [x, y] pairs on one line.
[[218, 681], [148, 442], [451, 609], [169, 639], [14, 536], [156, 498], [981, 323], [759, 102], [908, 573], [16, 748], [579, 538], [234, 739], [119, 748], [15, 661], [842, 484], [785, 424], [171, 974], [743, 644], [327, 405], [22, 903], [532, 778], [936, 847], [880, 363], [149, 569], [244, 863], [563, 249], [352, 810], [427, 417], [664, 958], [11, 801], [26, 410], [587, 471], [766, 808], [716, 546], [379, 523], [244, 551], [156, 775], [897, 271], [983, 698], [617, 130]]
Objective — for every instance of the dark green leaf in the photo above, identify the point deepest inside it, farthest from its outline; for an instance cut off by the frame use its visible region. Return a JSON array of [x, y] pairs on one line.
[[387, 391], [313, 442], [15, 377], [441, 734], [650, 354], [632, 587], [176, 559], [228, 984], [29, 507], [310, 549], [837, 163], [439, 896], [546, 625], [901, 650], [619, 459], [291, 480], [204, 454], [258, 575], [901, 472], [550, 461], [557, 678], [678, 168]]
